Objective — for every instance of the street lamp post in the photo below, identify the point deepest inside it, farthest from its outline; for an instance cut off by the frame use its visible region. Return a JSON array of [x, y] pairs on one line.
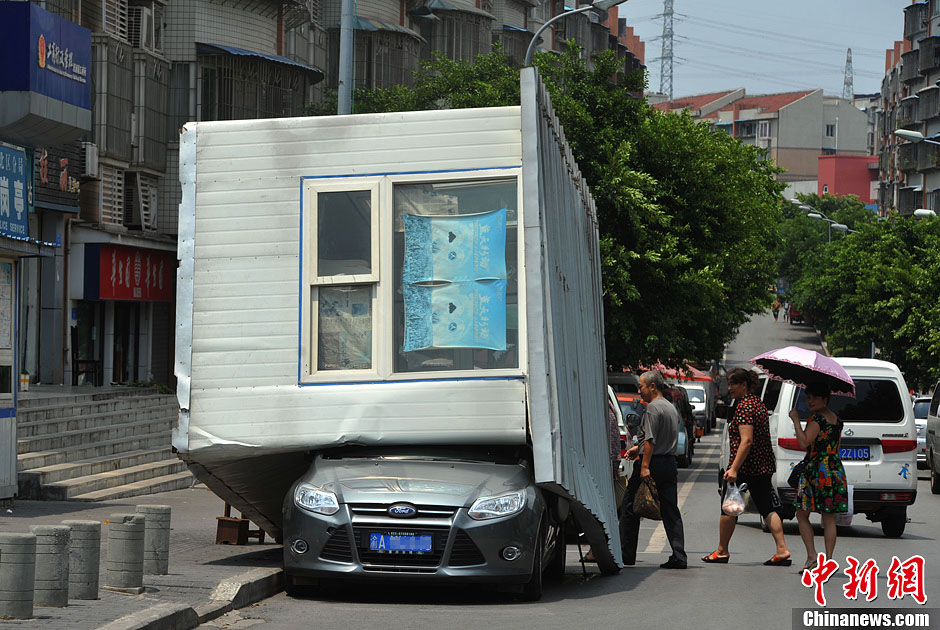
[[913, 136], [813, 213], [601, 5]]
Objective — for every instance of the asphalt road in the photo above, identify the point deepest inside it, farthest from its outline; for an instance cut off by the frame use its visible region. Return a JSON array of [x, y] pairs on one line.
[[741, 594]]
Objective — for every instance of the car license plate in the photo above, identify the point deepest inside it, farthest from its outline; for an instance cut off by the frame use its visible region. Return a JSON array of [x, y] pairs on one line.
[[399, 543], [859, 453]]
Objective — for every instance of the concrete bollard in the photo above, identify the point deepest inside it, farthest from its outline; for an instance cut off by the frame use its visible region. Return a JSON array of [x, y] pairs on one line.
[[125, 567], [52, 565], [84, 559], [156, 538], [17, 575]]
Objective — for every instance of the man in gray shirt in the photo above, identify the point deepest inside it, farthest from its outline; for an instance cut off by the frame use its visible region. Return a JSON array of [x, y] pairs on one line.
[[656, 449]]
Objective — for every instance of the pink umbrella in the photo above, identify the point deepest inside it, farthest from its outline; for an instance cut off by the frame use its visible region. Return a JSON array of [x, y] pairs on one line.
[[801, 366]]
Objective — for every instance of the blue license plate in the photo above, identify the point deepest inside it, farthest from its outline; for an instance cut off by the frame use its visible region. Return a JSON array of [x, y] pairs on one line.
[[404, 543], [858, 453]]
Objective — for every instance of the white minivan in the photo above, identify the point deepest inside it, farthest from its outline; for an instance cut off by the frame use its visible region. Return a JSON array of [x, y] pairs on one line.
[[878, 446]]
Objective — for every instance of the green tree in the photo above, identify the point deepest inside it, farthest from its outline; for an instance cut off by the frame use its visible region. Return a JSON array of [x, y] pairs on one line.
[[688, 215]]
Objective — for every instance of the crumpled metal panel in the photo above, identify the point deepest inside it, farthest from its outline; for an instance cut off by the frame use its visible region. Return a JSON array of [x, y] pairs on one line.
[[567, 386], [184, 284]]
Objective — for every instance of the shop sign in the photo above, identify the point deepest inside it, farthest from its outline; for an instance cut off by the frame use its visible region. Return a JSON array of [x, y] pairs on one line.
[[45, 54], [129, 273], [14, 219], [56, 171]]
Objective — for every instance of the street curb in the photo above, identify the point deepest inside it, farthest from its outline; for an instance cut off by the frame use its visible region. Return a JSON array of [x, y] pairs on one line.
[[233, 593]]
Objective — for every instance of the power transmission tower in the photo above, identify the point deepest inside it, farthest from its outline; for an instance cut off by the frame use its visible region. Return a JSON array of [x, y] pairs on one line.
[[848, 89], [665, 60]]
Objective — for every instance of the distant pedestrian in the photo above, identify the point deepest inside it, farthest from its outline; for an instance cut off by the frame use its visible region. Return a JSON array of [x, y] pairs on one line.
[[776, 308], [658, 437], [752, 462], [786, 310], [822, 486]]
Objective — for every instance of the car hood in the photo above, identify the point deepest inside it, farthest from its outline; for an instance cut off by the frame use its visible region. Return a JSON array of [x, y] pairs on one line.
[[446, 483]]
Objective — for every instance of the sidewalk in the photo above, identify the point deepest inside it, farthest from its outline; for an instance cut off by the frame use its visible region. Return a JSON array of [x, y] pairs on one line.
[[205, 580]]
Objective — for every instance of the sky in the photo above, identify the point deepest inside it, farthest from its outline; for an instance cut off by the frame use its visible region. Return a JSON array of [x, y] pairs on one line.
[[768, 47]]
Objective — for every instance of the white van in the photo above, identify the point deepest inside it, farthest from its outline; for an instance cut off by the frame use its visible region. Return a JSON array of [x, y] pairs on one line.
[[933, 440], [878, 443]]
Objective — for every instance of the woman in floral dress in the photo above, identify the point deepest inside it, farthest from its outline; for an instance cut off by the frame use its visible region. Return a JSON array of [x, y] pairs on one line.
[[822, 486]]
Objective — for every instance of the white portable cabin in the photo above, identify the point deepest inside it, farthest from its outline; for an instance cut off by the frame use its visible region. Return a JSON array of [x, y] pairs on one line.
[[303, 322]]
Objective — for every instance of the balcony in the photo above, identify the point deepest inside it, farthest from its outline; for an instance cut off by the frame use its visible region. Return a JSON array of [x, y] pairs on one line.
[[928, 158], [907, 113], [929, 103], [915, 20], [929, 57], [909, 66], [907, 157]]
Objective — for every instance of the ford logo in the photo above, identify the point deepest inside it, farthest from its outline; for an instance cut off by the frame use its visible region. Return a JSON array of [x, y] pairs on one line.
[[402, 510]]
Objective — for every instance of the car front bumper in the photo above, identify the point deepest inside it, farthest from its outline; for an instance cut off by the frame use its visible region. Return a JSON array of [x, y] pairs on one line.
[[462, 549]]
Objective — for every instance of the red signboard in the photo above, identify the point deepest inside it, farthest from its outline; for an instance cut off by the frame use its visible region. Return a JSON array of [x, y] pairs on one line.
[[131, 273]]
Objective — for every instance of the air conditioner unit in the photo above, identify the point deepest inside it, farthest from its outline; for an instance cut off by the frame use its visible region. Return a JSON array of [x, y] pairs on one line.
[[91, 160]]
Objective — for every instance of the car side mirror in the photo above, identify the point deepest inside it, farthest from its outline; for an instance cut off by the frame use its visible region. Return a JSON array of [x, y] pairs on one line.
[[721, 411], [633, 422]]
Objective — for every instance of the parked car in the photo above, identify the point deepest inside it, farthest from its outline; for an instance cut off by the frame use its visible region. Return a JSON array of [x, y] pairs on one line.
[[932, 439], [624, 382], [697, 398], [796, 317], [685, 447], [921, 407], [878, 442]]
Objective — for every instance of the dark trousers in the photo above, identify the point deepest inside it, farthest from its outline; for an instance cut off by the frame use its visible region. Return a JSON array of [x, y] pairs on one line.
[[666, 477]]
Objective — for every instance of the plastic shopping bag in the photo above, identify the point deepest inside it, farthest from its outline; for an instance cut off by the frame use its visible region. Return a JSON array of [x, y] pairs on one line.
[[646, 501], [845, 520], [732, 503]]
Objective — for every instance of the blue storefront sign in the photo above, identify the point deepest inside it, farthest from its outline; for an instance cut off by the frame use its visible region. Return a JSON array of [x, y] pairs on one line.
[[13, 209], [44, 54]]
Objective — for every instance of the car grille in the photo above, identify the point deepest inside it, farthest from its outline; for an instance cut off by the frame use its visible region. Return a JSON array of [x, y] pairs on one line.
[[442, 512], [401, 560], [337, 547], [464, 551]]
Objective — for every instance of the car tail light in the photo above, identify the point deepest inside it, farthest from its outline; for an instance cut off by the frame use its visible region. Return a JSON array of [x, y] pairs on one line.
[[895, 496], [791, 444], [898, 446]]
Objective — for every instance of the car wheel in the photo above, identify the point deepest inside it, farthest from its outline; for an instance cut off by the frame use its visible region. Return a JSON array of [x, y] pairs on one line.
[[556, 566], [892, 525], [532, 590], [934, 477]]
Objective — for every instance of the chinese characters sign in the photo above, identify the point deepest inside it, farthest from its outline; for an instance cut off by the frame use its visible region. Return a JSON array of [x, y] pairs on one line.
[[56, 173], [129, 273], [454, 281], [14, 219], [904, 579]]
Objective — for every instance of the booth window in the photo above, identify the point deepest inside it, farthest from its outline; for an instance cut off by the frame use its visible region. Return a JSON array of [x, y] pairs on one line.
[[344, 257], [455, 273]]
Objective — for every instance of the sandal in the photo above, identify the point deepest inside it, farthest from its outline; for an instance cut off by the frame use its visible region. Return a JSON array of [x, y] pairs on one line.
[[809, 566], [777, 561], [714, 558]]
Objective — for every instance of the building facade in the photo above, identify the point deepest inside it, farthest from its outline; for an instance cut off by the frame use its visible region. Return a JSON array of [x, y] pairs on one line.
[[910, 99], [794, 127], [93, 254], [850, 175]]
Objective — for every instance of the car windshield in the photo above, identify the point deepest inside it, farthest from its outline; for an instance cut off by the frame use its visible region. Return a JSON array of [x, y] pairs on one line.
[[876, 400], [920, 408], [631, 406], [696, 395]]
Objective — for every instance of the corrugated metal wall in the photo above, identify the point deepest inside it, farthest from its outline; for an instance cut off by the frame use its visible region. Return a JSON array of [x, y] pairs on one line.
[[567, 386]]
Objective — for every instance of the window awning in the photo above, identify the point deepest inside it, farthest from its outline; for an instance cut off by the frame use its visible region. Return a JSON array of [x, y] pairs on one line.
[[516, 29], [215, 49], [444, 5]]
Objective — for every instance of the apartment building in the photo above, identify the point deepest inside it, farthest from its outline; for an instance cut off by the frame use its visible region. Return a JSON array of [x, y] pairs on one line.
[[910, 99], [90, 112], [794, 127]]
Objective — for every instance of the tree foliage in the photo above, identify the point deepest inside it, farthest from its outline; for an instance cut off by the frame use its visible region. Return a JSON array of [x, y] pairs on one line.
[[688, 215]]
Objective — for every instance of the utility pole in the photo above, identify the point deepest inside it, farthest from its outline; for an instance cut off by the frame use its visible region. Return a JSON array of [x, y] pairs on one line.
[[344, 88], [665, 60]]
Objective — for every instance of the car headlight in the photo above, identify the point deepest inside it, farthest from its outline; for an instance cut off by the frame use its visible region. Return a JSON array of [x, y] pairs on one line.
[[316, 500], [495, 507]]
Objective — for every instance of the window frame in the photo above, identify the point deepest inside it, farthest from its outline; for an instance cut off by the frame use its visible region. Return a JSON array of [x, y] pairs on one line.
[[382, 276]]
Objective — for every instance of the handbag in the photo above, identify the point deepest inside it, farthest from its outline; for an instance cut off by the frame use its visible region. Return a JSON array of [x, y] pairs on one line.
[[646, 501], [796, 472]]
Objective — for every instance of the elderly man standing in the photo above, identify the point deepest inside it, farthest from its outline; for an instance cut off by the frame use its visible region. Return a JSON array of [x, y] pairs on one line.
[[656, 449]]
